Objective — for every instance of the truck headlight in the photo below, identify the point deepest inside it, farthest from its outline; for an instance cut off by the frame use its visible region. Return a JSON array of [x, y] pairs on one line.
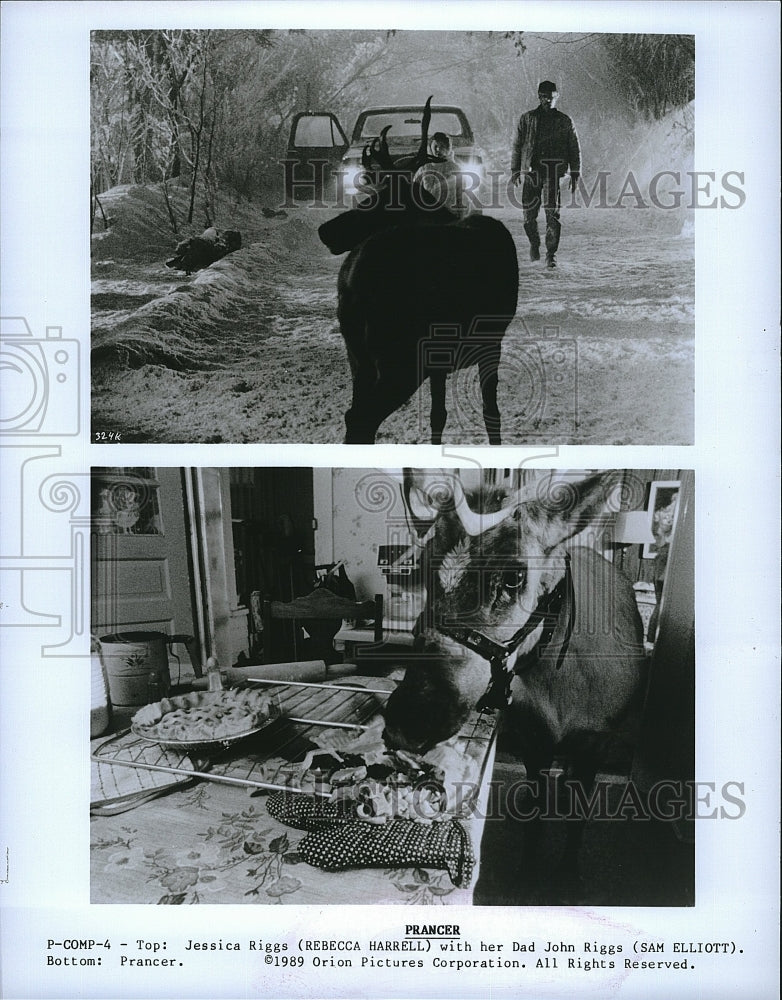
[[353, 174], [472, 168]]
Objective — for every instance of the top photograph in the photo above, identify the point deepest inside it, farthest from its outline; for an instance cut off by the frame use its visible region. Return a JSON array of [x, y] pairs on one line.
[[393, 237]]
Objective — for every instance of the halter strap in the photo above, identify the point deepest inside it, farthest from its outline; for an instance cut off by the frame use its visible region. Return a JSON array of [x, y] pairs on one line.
[[548, 611]]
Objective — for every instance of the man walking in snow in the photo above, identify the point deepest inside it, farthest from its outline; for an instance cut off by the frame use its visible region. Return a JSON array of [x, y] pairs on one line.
[[545, 147]]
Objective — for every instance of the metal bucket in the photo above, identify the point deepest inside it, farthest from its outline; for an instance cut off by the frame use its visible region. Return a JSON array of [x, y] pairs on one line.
[[100, 714], [136, 667]]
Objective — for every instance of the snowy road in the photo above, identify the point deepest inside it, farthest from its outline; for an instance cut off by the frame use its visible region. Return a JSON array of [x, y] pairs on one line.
[[601, 350]]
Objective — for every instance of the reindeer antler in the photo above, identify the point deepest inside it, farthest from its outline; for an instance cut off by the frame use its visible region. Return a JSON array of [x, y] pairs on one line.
[[385, 157], [436, 491], [421, 155], [377, 151], [475, 524]]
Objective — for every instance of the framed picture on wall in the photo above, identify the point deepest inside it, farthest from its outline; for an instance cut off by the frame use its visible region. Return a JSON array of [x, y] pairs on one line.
[[663, 507]]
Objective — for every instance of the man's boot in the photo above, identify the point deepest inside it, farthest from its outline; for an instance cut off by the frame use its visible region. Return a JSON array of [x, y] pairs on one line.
[[553, 230], [533, 235]]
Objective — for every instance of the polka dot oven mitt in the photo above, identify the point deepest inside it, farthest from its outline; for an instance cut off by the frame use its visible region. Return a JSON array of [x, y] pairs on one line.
[[396, 844], [337, 840], [308, 812]]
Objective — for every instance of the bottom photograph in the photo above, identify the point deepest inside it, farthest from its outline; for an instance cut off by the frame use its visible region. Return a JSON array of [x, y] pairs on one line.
[[392, 686]]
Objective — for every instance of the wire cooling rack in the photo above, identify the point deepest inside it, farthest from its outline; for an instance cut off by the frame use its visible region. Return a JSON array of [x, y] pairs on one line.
[[265, 760]]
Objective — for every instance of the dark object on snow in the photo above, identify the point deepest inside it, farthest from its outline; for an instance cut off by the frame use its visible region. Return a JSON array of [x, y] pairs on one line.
[[270, 213], [201, 251]]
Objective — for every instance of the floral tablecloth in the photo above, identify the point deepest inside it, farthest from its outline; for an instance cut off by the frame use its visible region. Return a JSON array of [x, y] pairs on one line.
[[216, 843], [204, 841]]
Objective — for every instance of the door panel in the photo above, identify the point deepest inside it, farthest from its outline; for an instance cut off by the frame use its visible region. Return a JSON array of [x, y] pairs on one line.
[[140, 574], [316, 146]]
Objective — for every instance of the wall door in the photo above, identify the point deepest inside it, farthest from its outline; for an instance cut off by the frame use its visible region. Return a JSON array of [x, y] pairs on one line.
[[141, 576]]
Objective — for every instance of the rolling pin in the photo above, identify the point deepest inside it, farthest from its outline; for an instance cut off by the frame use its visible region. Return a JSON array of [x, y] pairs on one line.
[[302, 670]]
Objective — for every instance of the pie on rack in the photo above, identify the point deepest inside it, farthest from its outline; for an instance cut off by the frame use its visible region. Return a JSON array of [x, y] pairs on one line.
[[204, 716]]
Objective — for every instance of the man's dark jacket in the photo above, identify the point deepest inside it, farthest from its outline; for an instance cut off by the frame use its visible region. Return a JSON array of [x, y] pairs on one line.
[[564, 147]]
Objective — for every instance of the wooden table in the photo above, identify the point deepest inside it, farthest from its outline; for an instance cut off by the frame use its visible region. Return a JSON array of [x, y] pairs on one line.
[[209, 841]]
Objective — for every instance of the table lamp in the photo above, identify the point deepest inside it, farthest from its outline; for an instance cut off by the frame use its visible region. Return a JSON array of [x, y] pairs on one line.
[[631, 527]]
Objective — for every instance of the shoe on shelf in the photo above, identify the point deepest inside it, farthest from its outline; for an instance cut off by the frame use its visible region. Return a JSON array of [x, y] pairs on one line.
[[534, 253]]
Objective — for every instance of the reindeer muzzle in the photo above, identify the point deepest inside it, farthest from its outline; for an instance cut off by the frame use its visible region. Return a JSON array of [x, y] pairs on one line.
[[559, 603]]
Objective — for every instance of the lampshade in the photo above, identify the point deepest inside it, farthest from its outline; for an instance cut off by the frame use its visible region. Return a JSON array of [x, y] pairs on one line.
[[632, 527]]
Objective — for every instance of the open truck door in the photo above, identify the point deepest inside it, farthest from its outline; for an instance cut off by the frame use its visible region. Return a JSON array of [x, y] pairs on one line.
[[316, 146]]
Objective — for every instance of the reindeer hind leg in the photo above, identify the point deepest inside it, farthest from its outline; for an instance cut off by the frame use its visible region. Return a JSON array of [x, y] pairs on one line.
[[360, 424], [488, 374], [438, 414], [374, 399]]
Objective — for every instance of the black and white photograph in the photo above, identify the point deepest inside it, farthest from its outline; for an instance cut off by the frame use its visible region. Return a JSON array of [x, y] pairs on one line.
[[297, 236], [389, 477], [441, 677]]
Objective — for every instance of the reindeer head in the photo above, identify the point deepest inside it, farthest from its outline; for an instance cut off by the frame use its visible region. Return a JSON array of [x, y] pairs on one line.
[[376, 155], [390, 199], [491, 556]]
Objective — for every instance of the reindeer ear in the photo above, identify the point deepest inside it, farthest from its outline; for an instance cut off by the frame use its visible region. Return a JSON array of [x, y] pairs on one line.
[[564, 503]]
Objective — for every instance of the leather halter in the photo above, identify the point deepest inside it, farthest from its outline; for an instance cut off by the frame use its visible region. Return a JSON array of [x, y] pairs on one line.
[[549, 610]]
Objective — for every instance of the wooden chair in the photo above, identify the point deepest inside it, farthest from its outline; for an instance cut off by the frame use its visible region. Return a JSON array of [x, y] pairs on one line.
[[324, 612]]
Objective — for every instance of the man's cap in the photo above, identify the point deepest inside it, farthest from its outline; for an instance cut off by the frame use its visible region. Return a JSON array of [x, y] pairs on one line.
[[547, 87], [441, 137]]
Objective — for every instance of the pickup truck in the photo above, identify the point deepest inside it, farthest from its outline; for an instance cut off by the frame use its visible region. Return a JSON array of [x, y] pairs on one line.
[[319, 151]]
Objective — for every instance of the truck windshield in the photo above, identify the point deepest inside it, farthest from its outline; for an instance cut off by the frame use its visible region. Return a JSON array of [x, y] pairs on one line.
[[405, 124]]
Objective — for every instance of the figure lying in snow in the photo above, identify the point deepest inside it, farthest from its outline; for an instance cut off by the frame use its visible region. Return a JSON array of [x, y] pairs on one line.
[[201, 251]]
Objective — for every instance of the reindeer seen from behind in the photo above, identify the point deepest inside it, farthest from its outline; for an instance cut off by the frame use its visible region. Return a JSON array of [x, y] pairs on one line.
[[420, 295]]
